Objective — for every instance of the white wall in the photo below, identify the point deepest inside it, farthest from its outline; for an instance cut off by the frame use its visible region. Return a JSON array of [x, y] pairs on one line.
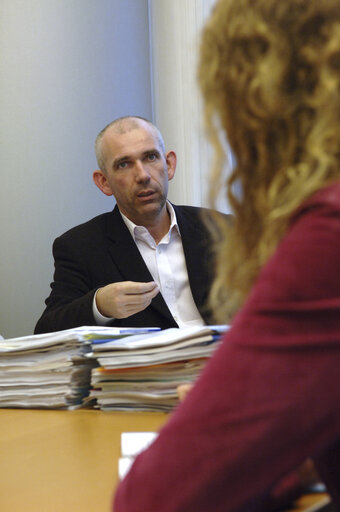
[[175, 28], [68, 67], [175, 34]]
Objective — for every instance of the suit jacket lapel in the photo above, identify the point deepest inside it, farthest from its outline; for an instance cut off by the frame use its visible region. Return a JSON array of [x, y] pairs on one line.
[[197, 255], [128, 259]]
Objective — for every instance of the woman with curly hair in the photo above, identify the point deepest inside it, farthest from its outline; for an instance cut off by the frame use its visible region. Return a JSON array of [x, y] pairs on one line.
[[270, 396]]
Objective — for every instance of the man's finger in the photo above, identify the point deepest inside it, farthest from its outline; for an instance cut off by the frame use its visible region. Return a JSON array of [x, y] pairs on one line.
[[134, 288], [140, 299]]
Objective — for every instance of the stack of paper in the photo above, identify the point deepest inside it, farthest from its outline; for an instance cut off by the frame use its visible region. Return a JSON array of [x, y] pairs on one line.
[[143, 372], [50, 370]]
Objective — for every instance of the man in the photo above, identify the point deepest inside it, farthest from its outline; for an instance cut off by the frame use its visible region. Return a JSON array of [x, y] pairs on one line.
[[146, 263]]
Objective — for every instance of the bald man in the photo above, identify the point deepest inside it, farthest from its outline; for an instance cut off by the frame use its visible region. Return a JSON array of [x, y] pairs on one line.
[[145, 264]]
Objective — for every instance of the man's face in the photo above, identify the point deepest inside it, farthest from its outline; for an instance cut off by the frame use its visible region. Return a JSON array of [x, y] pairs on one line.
[[137, 172]]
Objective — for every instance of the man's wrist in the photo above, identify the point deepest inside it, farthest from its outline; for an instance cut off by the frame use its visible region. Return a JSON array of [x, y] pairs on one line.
[[99, 318]]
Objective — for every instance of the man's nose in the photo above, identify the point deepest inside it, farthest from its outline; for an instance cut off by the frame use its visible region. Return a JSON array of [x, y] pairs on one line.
[[142, 173]]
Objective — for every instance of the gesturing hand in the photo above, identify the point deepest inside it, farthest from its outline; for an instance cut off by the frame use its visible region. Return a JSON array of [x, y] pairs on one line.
[[183, 390], [120, 300]]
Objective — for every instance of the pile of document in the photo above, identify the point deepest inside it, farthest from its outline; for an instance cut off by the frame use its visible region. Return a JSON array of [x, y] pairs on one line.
[[50, 370], [142, 372], [108, 367]]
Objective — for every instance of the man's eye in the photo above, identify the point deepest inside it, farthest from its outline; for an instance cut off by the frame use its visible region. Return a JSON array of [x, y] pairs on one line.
[[122, 165], [152, 157]]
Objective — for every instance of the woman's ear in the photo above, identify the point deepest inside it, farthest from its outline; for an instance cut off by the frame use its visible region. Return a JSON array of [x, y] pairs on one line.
[[102, 183]]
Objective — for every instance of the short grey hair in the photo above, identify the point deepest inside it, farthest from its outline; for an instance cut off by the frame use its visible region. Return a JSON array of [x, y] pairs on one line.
[[122, 125]]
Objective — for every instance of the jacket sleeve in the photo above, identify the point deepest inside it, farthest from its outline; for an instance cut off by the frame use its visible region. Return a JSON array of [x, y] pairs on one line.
[[70, 302]]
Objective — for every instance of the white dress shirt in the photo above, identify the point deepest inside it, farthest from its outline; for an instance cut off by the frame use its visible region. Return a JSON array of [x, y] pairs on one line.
[[166, 264]]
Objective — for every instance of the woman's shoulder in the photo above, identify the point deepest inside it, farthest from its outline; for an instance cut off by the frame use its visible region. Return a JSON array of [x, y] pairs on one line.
[[325, 199]]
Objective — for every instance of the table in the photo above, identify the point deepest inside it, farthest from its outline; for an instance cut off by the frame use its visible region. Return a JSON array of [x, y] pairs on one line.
[[63, 461], [310, 502], [67, 461]]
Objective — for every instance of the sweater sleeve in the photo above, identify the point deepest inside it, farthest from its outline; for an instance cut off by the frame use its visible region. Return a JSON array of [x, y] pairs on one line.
[[269, 397]]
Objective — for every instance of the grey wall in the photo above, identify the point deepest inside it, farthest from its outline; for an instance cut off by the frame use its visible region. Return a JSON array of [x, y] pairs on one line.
[[68, 67]]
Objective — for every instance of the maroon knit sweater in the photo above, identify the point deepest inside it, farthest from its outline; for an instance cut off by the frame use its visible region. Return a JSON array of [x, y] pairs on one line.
[[270, 396]]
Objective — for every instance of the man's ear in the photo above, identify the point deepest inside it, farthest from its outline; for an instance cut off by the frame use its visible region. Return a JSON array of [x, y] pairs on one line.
[[102, 183], [171, 161]]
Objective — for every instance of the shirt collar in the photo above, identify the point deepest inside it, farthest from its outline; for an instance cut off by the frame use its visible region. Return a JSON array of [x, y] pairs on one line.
[[134, 228]]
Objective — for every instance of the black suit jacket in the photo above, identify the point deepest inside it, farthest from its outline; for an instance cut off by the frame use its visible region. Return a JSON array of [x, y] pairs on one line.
[[102, 251]]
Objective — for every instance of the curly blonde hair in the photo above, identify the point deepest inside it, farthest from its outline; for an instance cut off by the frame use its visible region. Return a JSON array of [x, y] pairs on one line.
[[270, 74]]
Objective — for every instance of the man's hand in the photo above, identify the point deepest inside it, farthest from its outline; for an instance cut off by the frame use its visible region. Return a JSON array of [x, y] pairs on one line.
[[120, 300], [183, 390]]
